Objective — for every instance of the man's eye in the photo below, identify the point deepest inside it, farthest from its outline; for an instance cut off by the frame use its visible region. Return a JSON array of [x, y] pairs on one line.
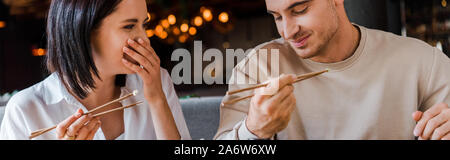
[[129, 26], [297, 12], [279, 18]]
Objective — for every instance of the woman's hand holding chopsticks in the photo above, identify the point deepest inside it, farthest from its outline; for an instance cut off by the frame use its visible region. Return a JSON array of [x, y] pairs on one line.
[[78, 127], [271, 107]]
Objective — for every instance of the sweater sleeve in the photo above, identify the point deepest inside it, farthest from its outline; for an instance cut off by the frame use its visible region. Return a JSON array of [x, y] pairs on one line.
[[438, 82]]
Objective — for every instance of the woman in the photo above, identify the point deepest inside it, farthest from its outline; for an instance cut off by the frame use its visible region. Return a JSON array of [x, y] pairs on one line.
[[92, 44]]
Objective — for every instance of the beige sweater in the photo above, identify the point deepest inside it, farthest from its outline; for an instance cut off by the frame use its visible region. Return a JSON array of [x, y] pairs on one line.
[[370, 95]]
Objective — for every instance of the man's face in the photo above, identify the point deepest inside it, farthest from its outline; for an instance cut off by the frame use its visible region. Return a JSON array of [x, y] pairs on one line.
[[308, 25]]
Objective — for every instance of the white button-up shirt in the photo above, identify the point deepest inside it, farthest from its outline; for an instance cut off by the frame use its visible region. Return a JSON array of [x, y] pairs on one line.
[[49, 102]]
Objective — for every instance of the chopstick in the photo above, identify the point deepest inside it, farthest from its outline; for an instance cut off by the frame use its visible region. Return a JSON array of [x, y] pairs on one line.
[[117, 109], [134, 93], [45, 130], [297, 79]]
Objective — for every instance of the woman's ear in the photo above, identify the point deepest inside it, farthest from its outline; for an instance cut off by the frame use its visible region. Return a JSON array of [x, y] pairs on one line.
[[94, 41]]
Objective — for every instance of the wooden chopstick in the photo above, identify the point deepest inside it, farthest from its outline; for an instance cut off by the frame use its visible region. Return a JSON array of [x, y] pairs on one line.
[[117, 109], [134, 93], [298, 79], [45, 130], [40, 132]]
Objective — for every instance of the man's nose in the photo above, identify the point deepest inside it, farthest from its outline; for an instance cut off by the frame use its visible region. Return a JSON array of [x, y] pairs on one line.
[[290, 28]]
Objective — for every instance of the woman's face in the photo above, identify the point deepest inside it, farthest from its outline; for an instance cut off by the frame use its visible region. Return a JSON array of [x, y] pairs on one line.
[[126, 22]]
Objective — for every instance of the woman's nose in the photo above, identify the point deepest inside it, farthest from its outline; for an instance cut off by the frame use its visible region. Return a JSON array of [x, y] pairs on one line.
[[136, 38], [140, 33]]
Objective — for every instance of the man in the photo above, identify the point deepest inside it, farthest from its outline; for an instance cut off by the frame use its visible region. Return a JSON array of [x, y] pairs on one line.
[[378, 86]]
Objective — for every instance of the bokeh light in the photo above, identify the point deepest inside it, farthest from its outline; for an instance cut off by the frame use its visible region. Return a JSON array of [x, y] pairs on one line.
[[207, 15], [165, 23], [172, 19], [198, 21], [184, 27], [192, 31], [223, 17], [150, 33]]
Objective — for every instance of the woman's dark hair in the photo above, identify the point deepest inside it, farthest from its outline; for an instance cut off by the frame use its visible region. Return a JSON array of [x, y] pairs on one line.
[[70, 24]]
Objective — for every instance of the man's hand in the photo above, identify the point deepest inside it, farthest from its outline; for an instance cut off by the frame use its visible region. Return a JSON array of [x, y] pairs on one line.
[[434, 124], [271, 107]]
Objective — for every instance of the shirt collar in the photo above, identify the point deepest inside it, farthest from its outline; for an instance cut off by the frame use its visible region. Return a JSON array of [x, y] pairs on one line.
[[55, 91]]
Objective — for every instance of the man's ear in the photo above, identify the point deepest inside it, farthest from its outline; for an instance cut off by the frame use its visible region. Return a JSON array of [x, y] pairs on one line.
[[338, 2]]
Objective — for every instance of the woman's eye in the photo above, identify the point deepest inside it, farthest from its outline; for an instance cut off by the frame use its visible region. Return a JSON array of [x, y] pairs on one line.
[[144, 25], [129, 26]]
